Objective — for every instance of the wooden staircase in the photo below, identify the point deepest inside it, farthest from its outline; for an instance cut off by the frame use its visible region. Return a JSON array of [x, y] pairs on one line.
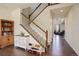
[[26, 25]]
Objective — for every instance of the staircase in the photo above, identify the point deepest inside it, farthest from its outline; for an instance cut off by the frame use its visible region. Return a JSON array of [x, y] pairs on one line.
[[25, 23], [36, 36]]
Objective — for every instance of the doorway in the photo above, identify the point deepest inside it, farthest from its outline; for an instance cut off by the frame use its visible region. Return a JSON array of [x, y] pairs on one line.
[[60, 28]]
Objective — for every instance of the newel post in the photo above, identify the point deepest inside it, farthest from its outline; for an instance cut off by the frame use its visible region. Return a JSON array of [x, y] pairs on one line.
[[46, 41], [46, 38]]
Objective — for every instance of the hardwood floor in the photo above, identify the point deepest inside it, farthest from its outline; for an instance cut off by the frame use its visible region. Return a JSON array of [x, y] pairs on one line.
[[59, 47]]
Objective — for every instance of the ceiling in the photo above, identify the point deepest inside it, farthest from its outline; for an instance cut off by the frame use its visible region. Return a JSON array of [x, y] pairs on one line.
[[61, 11], [59, 14]]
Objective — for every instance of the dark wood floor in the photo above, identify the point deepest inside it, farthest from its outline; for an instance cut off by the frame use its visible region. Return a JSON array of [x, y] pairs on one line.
[[59, 47]]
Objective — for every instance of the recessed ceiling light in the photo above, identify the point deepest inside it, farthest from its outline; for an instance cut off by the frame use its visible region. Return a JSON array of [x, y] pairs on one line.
[[61, 10]]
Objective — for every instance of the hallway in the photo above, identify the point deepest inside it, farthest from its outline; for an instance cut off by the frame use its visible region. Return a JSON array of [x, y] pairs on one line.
[[59, 47]]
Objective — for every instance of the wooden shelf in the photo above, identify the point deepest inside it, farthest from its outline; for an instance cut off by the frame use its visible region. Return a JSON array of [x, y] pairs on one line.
[[7, 26], [6, 32]]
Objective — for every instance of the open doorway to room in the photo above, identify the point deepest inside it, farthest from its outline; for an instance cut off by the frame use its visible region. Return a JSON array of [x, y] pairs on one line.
[[60, 28]]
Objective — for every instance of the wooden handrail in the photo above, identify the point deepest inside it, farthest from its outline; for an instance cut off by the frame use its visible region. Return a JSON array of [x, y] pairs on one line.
[[25, 16], [53, 4], [38, 15], [35, 9], [39, 27]]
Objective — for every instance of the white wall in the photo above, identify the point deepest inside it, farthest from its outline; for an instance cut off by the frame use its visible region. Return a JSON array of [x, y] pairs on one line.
[[62, 27], [16, 16], [5, 13], [72, 28]]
